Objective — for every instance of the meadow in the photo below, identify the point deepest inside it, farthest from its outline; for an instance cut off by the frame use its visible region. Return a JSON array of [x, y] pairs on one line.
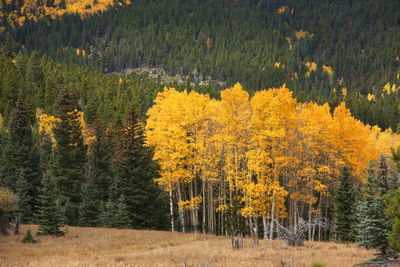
[[127, 247]]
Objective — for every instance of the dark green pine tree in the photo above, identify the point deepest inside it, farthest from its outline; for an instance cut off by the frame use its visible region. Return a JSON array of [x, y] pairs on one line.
[[28, 238], [45, 150], [69, 156], [134, 171], [20, 160], [392, 211], [344, 207], [373, 226], [49, 216], [99, 158], [396, 157], [106, 214], [98, 177], [90, 206], [121, 217]]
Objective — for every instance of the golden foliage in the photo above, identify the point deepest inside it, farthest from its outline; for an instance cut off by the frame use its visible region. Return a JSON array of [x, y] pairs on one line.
[[312, 66], [327, 70], [344, 91], [278, 65], [370, 97], [8, 200], [192, 204], [390, 89], [261, 148], [36, 10], [302, 34], [208, 43], [282, 9], [46, 124]]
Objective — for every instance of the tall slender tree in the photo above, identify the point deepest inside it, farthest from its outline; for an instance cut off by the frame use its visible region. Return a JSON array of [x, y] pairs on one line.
[[20, 160], [344, 207], [69, 156], [373, 225], [49, 214], [134, 171]]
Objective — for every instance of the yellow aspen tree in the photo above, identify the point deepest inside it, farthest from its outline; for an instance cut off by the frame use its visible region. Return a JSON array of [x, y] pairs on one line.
[[272, 122], [172, 129]]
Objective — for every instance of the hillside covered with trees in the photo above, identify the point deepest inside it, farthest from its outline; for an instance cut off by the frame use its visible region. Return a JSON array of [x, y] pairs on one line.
[[232, 117]]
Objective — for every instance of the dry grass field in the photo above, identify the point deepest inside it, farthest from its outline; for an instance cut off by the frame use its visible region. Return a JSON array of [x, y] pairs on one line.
[[113, 247]]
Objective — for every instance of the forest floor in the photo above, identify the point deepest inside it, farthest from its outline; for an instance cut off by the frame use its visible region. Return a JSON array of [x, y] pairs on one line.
[[113, 247]]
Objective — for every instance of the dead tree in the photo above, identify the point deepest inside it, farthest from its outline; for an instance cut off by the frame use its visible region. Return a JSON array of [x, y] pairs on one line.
[[295, 235]]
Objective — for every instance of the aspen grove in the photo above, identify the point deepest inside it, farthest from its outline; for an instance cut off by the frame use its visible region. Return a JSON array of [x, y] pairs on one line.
[[280, 157]]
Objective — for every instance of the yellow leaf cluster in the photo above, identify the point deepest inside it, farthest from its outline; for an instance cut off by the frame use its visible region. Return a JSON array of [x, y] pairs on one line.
[[344, 91], [192, 204], [312, 66], [370, 97], [8, 200], [390, 89], [282, 9], [208, 43], [46, 124], [279, 65], [327, 70], [302, 34], [36, 10]]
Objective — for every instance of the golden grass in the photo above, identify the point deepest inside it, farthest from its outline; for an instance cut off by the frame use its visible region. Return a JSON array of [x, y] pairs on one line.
[[113, 247]]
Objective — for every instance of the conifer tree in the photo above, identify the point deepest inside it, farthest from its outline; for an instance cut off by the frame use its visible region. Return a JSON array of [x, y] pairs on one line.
[[107, 213], [90, 205], [99, 158], [392, 212], [49, 216], [344, 207], [69, 156], [134, 171], [121, 218], [45, 150], [20, 160], [28, 238], [392, 202], [373, 226]]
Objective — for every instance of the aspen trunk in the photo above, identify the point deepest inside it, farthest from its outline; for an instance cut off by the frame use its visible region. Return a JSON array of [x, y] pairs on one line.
[[295, 216], [181, 215], [265, 227], [196, 211], [204, 207], [309, 220], [171, 210], [271, 233], [320, 215]]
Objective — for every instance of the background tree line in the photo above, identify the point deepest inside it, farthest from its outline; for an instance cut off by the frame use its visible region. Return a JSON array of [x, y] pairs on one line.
[[229, 42]]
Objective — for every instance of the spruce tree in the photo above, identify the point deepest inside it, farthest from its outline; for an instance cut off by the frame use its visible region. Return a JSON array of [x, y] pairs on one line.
[[20, 160], [49, 216], [121, 218], [372, 228], [69, 156], [107, 213], [99, 158], [28, 238], [392, 202], [392, 211], [45, 150], [90, 206], [134, 171], [344, 207]]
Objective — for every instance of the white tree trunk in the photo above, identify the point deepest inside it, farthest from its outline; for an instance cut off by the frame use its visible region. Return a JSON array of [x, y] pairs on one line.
[[271, 233]]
